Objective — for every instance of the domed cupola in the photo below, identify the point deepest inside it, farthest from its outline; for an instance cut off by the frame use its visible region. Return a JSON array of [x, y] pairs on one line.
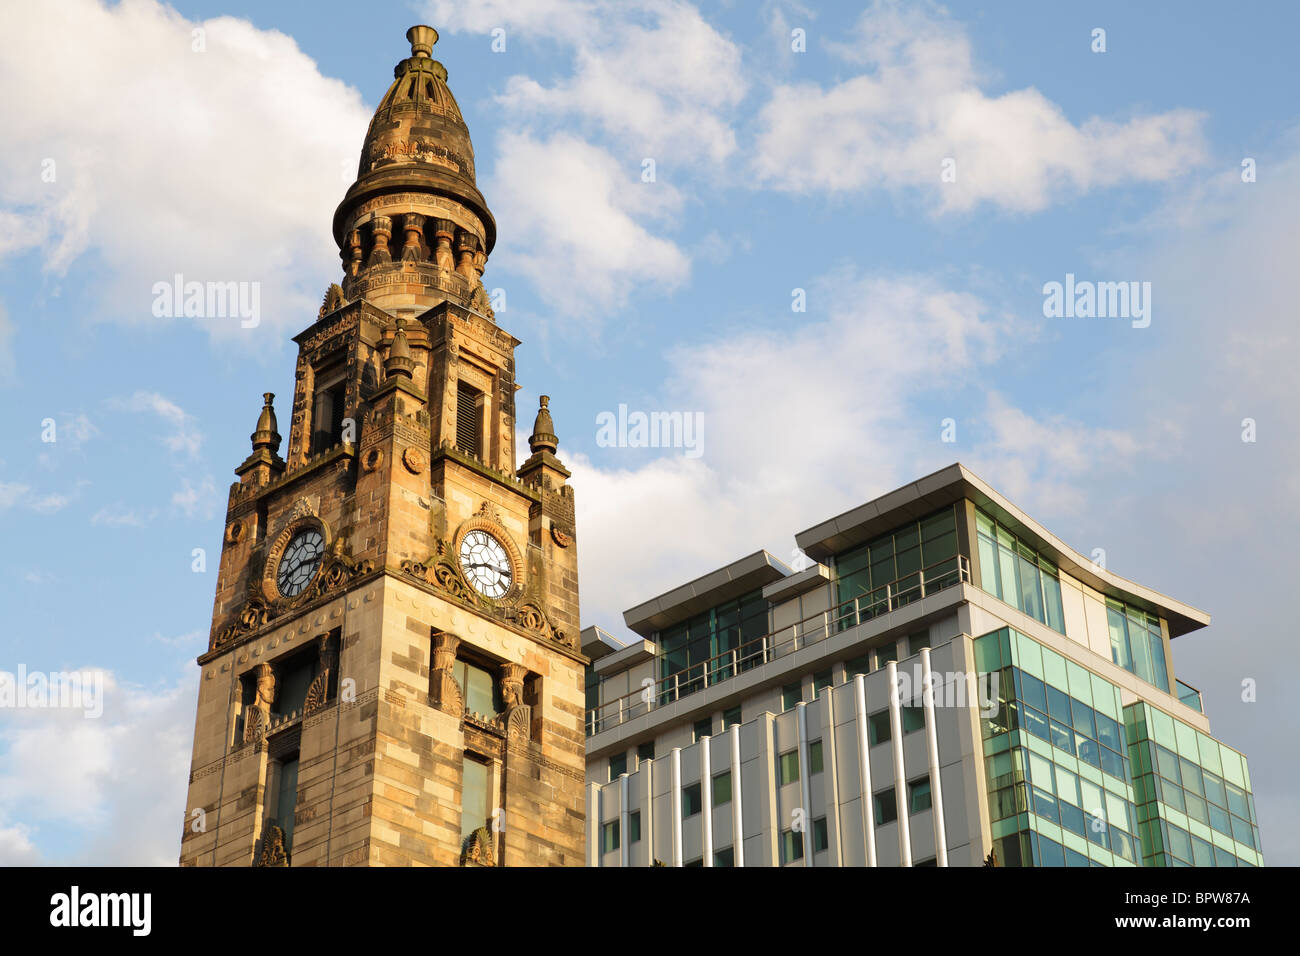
[[414, 230]]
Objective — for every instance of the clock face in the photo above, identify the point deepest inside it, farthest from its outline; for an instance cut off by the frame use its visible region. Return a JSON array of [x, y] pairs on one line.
[[486, 564], [299, 562]]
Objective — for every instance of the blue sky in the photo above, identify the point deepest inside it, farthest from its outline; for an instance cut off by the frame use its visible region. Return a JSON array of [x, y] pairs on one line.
[[775, 170]]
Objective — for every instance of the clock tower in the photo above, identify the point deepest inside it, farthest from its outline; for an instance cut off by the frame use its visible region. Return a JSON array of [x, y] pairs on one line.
[[393, 675]]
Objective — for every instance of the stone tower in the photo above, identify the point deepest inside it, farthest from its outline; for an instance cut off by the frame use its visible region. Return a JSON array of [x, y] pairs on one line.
[[393, 675]]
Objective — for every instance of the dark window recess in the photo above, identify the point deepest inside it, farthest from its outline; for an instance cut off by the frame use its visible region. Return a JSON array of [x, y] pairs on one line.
[[328, 412], [469, 420], [293, 679], [286, 798]]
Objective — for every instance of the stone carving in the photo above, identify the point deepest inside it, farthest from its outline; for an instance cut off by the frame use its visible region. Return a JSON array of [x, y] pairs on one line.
[[444, 690], [337, 571], [372, 459], [517, 717], [532, 618], [333, 299], [258, 717], [273, 852], [301, 509], [413, 225], [562, 538], [442, 575], [318, 692], [512, 684], [413, 459], [480, 303], [252, 616], [519, 723], [479, 849], [381, 230]]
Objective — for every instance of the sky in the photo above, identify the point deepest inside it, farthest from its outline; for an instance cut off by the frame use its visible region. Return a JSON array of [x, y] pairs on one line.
[[823, 231]]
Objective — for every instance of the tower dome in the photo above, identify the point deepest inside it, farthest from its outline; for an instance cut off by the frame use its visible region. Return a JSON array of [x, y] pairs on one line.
[[414, 230]]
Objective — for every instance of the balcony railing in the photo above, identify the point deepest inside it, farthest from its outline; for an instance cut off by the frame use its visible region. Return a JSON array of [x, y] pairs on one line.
[[762, 650], [1189, 695]]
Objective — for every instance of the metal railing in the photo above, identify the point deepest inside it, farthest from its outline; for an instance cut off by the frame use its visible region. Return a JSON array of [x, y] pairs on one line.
[[1189, 695], [762, 650]]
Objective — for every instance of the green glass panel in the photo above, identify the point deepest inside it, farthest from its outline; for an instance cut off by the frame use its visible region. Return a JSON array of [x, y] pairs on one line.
[[989, 579], [1052, 599], [1119, 644], [722, 789], [1067, 786], [1232, 762], [1054, 671], [788, 768], [1080, 682], [610, 832], [1008, 573], [987, 656], [1159, 673], [1031, 589], [691, 800], [1161, 726], [878, 727], [474, 796], [1186, 738], [1029, 656], [1209, 750]]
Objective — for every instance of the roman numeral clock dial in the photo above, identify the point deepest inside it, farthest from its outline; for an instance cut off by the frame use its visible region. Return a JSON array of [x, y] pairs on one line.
[[486, 564]]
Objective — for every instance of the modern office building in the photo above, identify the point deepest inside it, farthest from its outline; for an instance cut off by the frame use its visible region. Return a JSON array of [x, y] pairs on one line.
[[393, 674], [947, 684]]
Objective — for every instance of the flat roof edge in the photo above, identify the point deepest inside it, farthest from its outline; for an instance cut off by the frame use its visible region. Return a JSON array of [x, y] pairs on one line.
[[751, 572]]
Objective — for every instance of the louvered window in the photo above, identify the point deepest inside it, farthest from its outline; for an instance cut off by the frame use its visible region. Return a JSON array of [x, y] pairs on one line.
[[469, 420]]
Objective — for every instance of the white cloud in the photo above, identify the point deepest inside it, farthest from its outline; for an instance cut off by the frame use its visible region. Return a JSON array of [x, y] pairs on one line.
[[196, 500], [570, 202], [119, 516], [13, 494], [16, 847], [799, 422], [1045, 463], [653, 75], [7, 365], [650, 80], [212, 164], [183, 435], [114, 784], [921, 103]]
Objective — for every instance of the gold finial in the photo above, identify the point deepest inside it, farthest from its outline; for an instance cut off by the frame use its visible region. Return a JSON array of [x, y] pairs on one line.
[[422, 40]]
